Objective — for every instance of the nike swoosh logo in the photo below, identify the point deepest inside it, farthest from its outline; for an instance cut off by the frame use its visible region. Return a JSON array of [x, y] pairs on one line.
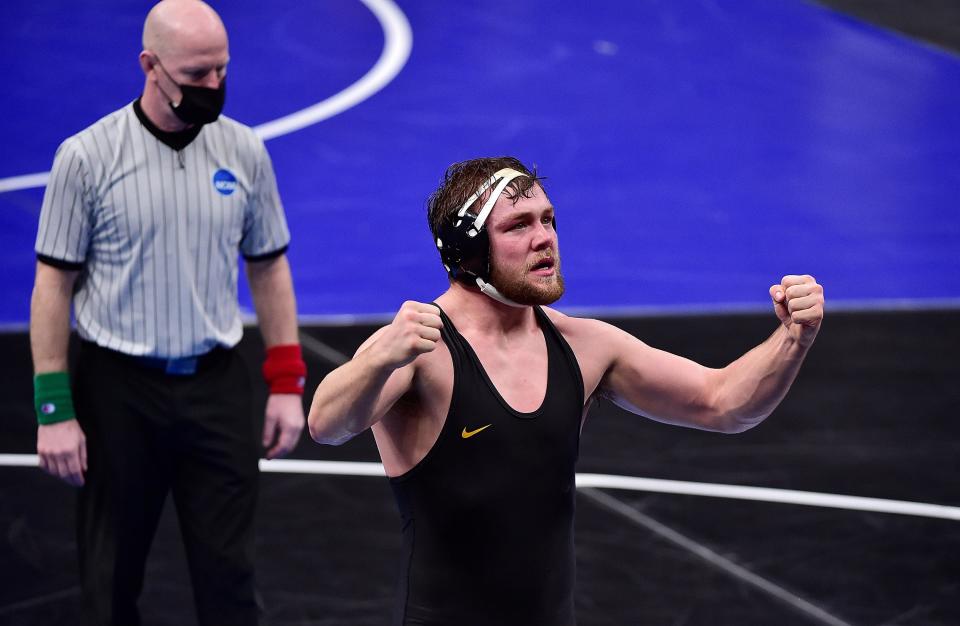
[[466, 434]]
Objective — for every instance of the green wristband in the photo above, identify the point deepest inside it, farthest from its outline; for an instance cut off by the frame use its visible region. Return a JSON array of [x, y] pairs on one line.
[[52, 399]]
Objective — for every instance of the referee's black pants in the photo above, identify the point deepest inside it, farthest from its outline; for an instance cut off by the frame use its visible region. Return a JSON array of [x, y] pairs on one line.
[[150, 433]]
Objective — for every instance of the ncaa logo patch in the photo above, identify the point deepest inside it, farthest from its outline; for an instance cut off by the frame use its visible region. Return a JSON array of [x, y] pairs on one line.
[[224, 182]]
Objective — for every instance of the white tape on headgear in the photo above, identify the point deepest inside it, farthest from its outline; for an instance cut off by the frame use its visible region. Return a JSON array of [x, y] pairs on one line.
[[501, 179]]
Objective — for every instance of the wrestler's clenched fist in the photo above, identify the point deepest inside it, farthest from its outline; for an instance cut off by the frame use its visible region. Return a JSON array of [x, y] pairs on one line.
[[414, 330], [798, 302]]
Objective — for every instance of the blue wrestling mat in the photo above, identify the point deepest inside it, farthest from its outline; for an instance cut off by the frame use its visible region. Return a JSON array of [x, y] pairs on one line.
[[695, 151]]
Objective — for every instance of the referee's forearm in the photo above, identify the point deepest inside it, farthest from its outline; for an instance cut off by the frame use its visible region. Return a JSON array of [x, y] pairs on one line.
[[271, 286], [50, 318]]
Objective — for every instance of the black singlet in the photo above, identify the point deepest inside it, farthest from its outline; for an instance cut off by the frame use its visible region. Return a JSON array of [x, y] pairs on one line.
[[488, 514]]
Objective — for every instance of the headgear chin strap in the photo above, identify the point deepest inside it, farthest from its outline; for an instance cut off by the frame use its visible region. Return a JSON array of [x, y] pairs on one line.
[[491, 291], [464, 244]]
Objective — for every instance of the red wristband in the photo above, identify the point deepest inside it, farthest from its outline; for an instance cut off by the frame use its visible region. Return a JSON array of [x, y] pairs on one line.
[[285, 370]]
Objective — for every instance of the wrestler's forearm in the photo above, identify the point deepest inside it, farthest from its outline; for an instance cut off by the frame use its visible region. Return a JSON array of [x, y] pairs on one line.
[[750, 388], [355, 396]]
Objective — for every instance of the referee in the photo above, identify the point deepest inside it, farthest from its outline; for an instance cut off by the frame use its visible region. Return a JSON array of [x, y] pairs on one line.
[[140, 229]]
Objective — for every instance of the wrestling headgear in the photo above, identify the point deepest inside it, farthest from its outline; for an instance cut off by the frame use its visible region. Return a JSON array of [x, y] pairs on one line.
[[464, 243]]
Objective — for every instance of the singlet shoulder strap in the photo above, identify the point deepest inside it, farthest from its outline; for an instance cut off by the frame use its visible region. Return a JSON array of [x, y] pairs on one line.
[[452, 338], [551, 332]]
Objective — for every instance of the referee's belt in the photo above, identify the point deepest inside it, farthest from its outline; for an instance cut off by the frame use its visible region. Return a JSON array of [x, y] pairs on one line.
[[181, 366]]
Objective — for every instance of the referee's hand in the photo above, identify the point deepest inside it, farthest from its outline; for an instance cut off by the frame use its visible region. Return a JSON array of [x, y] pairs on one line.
[[62, 449], [282, 424]]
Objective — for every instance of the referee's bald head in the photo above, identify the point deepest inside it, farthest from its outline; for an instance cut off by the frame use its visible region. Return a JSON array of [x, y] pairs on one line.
[[174, 28]]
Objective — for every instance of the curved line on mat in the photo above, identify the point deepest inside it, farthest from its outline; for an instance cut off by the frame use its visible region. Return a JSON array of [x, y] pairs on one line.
[[630, 483], [397, 43]]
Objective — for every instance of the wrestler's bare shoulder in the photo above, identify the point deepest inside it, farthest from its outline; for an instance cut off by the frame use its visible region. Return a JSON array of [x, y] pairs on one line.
[[581, 329], [595, 343]]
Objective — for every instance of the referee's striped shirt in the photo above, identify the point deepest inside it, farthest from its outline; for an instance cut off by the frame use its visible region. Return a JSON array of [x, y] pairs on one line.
[[157, 232]]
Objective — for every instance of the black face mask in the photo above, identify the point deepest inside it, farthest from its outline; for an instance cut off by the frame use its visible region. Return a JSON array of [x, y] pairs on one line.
[[198, 105]]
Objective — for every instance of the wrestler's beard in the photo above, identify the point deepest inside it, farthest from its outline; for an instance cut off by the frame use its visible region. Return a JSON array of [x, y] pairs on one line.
[[525, 288]]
